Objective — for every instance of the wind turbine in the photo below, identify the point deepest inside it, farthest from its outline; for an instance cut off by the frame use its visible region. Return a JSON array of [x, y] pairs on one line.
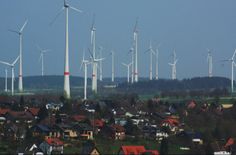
[[6, 89], [85, 63], [135, 39], [12, 72], [20, 33], [100, 64], [132, 64], [112, 67], [209, 60], [42, 52], [157, 62], [66, 65], [94, 62], [128, 66], [93, 55], [173, 65], [151, 53], [233, 64]]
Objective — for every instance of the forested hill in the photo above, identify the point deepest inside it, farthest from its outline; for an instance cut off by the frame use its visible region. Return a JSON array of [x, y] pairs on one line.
[[45, 82], [198, 83]]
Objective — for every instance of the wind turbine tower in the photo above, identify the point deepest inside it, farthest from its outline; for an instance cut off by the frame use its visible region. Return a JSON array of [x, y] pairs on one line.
[[157, 62], [100, 64], [85, 63], [233, 64], [94, 63], [173, 66], [132, 64], [136, 51], [66, 65], [42, 52], [112, 67], [151, 53], [6, 89], [210, 65], [20, 33], [12, 65], [128, 68]]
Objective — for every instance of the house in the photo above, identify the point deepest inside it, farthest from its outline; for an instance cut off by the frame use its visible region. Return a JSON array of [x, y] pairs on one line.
[[52, 146], [118, 132], [14, 131], [40, 129], [54, 106], [191, 105], [171, 123], [78, 118], [84, 130], [136, 150], [56, 132], [218, 149], [68, 131], [20, 117], [97, 124], [34, 112]]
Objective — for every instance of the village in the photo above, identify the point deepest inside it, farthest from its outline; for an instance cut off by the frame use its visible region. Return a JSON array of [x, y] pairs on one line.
[[54, 125]]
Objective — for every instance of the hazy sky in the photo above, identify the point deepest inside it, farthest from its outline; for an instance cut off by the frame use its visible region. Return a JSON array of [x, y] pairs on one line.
[[189, 26]]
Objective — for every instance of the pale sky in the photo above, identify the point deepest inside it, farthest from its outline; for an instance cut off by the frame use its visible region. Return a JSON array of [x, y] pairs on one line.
[[189, 26]]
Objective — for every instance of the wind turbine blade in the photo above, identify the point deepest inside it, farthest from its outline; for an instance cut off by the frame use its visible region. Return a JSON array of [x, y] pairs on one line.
[[22, 28], [75, 9], [136, 25], [40, 57], [5, 63], [93, 22], [58, 14], [234, 54], [16, 60], [46, 50], [171, 64], [13, 31], [40, 49], [91, 55], [124, 64]]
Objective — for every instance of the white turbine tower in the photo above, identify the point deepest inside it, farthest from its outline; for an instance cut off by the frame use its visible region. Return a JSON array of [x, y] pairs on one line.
[[66, 67], [100, 64], [136, 51], [112, 67], [94, 62], [173, 66], [132, 64], [85, 63], [42, 52], [128, 68], [12, 65], [93, 55], [210, 65], [6, 89], [233, 64], [151, 53], [20, 33], [157, 62]]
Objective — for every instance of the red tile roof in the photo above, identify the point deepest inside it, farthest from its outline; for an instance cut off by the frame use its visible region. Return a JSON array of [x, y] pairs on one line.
[[191, 105], [4, 111], [173, 122], [34, 111], [118, 128], [229, 142], [54, 141], [78, 118], [97, 123], [135, 150]]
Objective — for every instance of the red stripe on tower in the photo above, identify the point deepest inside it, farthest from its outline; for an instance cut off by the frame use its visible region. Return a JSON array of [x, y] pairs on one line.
[[66, 73]]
